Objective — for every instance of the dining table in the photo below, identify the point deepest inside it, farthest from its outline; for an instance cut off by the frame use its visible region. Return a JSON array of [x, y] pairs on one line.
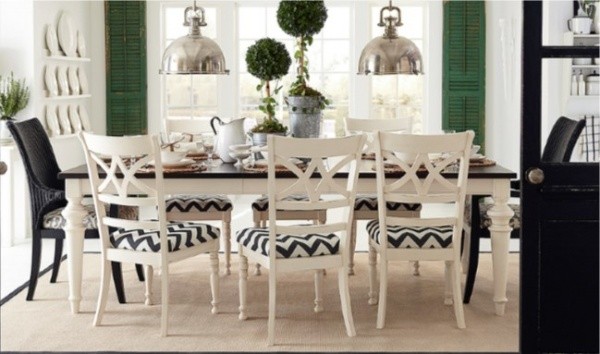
[[224, 178]]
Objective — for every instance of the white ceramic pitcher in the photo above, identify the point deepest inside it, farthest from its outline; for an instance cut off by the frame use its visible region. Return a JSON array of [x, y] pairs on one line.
[[227, 134]]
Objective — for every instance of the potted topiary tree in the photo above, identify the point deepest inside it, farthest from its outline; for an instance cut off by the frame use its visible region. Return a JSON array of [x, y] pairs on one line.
[[267, 60], [303, 19], [14, 95]]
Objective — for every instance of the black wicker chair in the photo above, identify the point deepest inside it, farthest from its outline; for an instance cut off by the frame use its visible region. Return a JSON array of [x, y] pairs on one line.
[[47, 193], [559, 147]]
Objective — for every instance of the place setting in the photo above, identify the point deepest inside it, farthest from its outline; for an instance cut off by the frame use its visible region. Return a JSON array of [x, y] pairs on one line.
[[175, 161], [261, 165]]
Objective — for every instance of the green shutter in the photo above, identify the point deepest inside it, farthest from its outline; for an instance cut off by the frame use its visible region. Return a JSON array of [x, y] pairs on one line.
[[126, 93], [463, 97]]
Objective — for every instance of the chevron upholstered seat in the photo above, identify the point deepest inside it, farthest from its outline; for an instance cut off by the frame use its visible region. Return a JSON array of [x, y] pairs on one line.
[[413, 237], [180, 236], [369, 202], [287, 246], [202, 203], [260, 214]]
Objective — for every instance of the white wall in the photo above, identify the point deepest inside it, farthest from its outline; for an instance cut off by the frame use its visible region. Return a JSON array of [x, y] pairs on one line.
[[503, 104], [16, 45]]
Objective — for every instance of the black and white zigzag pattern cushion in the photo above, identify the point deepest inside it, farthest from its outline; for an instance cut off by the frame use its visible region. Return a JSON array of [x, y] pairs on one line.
[[262, 203], [413, 237], [55, 219], [180, 235], [485, 204], [202, 203], [365, 202], [287, 246]]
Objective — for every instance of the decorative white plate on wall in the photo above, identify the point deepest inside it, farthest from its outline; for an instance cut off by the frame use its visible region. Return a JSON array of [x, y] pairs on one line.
[[74, 118], [83, 82], [81, 49], [63, 82], [50, 80], [66, 35], [73, 80], [84, 118], [52, 40], [52, 120], [63, 119]]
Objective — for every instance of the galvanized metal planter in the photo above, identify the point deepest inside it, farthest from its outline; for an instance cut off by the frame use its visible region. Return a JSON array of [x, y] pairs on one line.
[[260, 139], [305, 116]]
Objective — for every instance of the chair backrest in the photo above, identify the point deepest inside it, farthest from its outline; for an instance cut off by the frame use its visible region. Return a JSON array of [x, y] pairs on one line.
[[111, 156], [188, 126], [37, 153], [562, 139], [355, 125], [422, 180], [325, 158], [369, 126]]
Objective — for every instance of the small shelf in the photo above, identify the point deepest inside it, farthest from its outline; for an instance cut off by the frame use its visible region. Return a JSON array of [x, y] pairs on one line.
[[63, 136], [591, 35], [65, 58], [585, 66], [583, 97], [71, 97]]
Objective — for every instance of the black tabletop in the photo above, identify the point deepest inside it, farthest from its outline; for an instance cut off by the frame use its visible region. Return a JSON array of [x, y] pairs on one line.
[[226, 170]]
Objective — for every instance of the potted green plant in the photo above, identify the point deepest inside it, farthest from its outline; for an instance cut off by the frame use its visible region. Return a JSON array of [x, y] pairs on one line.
[[14, 95], [303, 19], [267, 60]]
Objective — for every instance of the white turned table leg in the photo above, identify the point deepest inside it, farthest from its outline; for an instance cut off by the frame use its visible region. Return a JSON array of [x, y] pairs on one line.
[[500, 215], [74, 233]]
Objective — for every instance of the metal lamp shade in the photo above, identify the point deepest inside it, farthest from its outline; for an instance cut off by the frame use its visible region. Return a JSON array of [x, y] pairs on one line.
[[193, 54], [390, 56]]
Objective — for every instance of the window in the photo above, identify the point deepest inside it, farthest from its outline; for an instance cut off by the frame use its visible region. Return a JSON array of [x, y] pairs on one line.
[[332, 58]]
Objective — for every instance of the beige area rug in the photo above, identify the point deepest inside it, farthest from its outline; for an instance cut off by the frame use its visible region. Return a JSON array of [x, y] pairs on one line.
[[417, 319]]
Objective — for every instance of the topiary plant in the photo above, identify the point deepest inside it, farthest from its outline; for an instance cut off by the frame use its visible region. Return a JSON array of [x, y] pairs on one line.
[[14, 95], [302, 19], [268, 60]]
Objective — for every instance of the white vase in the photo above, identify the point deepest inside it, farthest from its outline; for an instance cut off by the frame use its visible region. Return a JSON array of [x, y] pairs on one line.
[[5, 136]]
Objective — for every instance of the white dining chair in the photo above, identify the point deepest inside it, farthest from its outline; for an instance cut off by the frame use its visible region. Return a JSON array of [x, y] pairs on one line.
[[421, 159], [287, 248], [154, 242], [366, 206], [200, 207]]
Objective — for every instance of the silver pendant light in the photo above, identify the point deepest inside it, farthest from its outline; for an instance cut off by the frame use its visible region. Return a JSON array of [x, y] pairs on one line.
[[390, 54], [193, 53]]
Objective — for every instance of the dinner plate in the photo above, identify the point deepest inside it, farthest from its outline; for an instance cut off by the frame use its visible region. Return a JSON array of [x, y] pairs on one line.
[[74, 118], [66, 35], [50, 80], [178, 164], [73, 81], [63, 119], [63, 82], [84, 118], [83, 81], [81, 49], [52, 120], [262, 162], [477, 157], [52, 40]]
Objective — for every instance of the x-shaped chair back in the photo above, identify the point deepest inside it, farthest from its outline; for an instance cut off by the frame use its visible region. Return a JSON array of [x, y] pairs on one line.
[[316, 181], [118, 159], [422, 159]]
